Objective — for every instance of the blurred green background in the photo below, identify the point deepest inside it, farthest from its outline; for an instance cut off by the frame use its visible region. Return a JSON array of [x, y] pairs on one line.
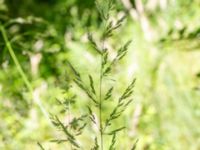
[[164, 57]]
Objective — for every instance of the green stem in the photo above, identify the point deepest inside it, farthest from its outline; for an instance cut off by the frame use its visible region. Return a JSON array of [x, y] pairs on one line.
[[9, 47], [20, 70], [100, 105], [100, 93]]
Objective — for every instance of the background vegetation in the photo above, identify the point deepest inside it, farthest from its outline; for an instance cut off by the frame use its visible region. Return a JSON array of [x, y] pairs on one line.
[[164, 57]]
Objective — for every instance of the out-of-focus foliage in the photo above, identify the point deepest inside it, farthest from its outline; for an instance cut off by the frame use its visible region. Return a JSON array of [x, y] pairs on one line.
[[164, 57]]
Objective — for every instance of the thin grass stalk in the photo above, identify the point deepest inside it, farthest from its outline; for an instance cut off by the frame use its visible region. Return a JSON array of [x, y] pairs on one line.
[[13, 56], [21, 72], [100, 92], [100, 104]]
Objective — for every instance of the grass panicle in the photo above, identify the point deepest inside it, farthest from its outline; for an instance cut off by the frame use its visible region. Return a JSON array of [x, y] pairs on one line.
[[94, 88]]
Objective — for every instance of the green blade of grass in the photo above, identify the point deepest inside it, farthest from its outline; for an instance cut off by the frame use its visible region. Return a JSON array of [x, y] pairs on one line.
[[21, 72]]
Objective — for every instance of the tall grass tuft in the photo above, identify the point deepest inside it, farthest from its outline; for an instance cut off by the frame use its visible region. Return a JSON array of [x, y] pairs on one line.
[[95, 92]]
